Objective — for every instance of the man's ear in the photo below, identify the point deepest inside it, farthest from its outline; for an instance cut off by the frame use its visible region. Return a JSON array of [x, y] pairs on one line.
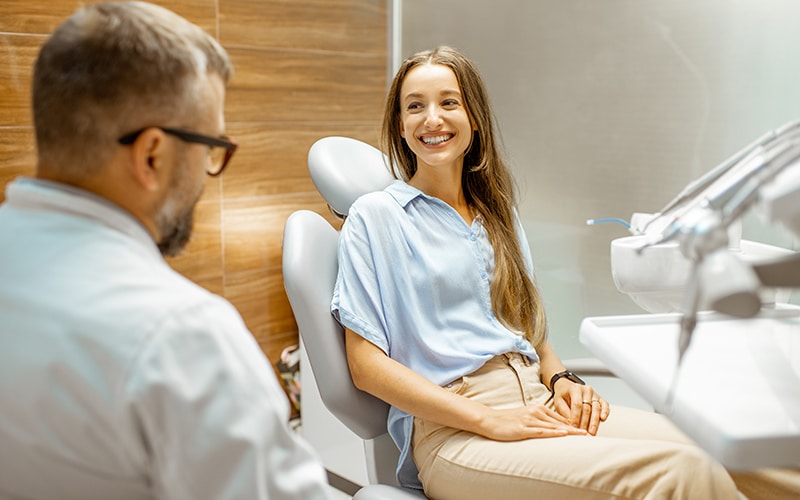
[[148, 165]]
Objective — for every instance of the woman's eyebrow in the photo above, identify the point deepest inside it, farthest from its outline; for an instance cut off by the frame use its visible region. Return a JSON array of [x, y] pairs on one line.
[[444, 92]]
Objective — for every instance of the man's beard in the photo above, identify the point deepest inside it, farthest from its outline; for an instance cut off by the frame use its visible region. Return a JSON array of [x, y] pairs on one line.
[[176, 228], [175, 231]]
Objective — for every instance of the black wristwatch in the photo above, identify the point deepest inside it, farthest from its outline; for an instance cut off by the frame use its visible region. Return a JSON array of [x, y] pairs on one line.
[[567, 375]]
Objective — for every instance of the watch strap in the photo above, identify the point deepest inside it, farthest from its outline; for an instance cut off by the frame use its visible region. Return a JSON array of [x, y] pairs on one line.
[[565, 374]]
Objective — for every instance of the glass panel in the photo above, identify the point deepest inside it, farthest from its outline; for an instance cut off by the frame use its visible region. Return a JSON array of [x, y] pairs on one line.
[[611, 107]]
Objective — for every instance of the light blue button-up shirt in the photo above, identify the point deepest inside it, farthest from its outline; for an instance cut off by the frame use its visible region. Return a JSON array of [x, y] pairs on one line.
[[414, 279]]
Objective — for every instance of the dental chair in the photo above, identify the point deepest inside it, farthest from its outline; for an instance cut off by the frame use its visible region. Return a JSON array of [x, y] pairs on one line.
[[343, 169]]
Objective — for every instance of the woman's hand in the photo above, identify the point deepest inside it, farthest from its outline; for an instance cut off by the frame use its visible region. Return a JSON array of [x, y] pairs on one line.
[[535, 421], [376, 373], [580, 404]]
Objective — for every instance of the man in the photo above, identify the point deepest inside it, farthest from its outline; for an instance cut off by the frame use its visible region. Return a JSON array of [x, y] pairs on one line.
[[118, 377]]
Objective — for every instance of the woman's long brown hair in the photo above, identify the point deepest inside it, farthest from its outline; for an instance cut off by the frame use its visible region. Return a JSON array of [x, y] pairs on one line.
[[488, 186]]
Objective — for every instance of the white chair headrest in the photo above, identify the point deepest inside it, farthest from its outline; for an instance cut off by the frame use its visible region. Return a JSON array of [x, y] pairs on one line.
[[343, 169]]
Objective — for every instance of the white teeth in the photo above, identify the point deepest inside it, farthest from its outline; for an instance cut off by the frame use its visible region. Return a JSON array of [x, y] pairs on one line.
[[436, 140]]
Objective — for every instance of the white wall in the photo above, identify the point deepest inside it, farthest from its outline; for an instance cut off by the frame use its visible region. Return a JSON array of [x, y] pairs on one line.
[[611, 106]]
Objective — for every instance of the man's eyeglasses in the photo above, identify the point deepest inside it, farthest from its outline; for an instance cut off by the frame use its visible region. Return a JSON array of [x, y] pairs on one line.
[[222, 148]]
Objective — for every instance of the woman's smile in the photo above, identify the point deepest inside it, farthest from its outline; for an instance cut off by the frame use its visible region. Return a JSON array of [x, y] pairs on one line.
[[434, 117], [436, 140]]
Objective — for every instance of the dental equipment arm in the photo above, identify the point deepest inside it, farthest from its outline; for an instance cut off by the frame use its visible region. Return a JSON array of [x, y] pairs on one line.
[[766, 172], [695, 187]]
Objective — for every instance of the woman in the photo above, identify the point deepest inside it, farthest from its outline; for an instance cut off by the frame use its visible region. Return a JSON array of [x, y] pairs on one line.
[[444, 322]]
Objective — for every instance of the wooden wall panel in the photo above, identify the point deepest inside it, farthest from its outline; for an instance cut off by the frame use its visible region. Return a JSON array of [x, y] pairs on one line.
[[304, 69], [17, 53], [350, 26], [42, 16], [17, 155], [254, 281], [292, 86], [28, 17], [271, 159], [202, 258], [201, 12]]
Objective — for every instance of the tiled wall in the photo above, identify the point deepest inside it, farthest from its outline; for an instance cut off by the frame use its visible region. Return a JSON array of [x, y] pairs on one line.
[[304, 69]]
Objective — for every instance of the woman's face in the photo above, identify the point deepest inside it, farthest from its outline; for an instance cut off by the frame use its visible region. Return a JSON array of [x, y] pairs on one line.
[[433, 119]]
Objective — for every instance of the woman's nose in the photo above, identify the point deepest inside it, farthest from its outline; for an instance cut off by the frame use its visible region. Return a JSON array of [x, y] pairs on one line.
[[433, 117]]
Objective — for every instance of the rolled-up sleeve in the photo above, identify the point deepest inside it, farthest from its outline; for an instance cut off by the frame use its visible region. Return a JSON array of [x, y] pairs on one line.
[[357, 299]]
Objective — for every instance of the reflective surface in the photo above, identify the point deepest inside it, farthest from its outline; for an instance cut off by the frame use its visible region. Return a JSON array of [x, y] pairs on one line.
[[609, 108]]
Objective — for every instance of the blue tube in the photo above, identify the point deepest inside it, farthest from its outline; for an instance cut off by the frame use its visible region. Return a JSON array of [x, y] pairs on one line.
[[591, 222]]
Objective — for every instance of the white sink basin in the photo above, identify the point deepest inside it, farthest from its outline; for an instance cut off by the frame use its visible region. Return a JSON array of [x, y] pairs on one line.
[[655, 279]]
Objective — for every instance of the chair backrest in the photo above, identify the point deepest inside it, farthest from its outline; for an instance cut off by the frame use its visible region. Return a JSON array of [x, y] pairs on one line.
[[309, 274], [342, 169]]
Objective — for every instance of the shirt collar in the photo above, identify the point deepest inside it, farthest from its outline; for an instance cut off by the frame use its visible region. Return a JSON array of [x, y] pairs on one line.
[[39, 194], [402, 192]]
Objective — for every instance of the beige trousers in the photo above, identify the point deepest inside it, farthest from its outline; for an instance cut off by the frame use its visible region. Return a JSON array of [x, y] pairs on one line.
[[635, 455]]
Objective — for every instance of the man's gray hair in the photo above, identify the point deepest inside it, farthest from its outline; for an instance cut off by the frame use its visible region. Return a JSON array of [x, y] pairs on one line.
[[112, 68]]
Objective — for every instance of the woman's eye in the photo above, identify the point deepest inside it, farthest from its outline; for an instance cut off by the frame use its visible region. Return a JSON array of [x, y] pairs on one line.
[[413, 106], [450, 103]]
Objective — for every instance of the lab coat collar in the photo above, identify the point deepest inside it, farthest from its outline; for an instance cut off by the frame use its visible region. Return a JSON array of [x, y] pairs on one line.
[[38, 194]]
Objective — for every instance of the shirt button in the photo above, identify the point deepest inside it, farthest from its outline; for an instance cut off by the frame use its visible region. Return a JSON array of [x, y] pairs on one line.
[[472, 237]]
